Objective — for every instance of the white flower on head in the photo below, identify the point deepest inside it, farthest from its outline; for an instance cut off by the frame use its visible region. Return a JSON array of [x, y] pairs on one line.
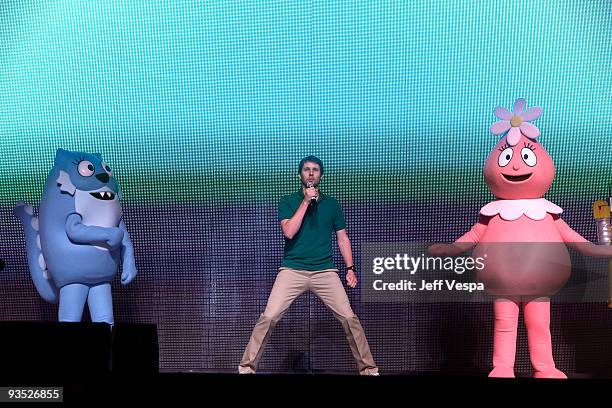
[[517, 122]]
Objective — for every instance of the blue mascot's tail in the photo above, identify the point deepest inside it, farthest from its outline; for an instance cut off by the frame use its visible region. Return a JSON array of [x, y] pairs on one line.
[[38, 268]]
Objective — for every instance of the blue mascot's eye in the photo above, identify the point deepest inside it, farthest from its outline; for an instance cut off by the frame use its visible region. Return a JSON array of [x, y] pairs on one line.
[[86, 168], [107, 169]]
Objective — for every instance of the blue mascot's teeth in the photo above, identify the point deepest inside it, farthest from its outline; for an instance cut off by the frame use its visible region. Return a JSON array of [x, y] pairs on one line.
[[104, 195]]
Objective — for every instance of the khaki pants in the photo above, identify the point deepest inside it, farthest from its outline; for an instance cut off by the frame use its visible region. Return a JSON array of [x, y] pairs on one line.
[[289, 284]]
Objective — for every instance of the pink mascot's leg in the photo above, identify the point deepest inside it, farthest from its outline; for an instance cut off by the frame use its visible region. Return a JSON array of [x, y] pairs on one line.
[[504, 338], [537, 320]]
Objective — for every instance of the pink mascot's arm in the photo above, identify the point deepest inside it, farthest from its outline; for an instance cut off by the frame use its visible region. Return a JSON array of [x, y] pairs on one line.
[[464, 243], [474, 235], [581, 244]]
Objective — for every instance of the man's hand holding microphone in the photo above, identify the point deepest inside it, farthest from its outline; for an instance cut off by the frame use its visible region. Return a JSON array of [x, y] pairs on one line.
[[311, 193]]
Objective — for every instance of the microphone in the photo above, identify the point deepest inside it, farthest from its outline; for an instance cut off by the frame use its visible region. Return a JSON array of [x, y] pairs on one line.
[[313, 200]]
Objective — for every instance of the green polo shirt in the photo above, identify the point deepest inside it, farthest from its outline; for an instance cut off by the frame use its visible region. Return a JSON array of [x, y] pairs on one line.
[[311, 248]]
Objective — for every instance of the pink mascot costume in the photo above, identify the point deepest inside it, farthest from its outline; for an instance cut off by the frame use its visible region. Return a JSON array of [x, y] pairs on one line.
[[523, 240]]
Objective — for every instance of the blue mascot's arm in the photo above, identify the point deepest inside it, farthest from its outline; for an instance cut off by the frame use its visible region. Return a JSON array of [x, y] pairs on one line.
[[127, 257], [80, 233]]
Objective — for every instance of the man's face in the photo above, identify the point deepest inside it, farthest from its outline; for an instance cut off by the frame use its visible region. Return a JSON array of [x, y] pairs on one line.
[[311, 172]]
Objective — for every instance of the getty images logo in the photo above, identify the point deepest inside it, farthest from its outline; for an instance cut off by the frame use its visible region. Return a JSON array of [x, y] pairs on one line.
[[412, 264]]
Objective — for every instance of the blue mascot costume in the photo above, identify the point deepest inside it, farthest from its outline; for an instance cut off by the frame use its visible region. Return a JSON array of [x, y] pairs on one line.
[[76, 243]]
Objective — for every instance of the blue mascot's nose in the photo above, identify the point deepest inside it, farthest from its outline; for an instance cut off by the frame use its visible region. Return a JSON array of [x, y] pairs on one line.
[[103, 177]]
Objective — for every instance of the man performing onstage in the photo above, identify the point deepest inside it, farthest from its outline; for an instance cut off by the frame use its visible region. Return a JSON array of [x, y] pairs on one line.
[[307, 219]]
